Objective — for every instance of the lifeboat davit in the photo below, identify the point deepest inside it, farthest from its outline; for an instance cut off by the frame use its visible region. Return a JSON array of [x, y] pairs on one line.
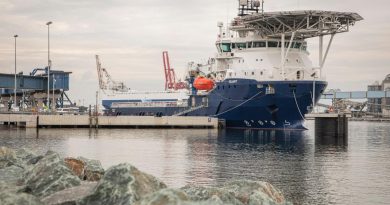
[[202, 83]]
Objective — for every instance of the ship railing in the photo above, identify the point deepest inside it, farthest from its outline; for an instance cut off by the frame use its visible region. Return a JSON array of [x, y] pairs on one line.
[[189, 110], [148, 104]]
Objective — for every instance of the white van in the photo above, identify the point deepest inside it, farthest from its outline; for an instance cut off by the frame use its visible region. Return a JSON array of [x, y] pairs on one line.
[[68, 111]]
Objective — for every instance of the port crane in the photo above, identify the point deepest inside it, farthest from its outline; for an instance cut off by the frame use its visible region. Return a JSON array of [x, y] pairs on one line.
[[170, 76], [105, 80]]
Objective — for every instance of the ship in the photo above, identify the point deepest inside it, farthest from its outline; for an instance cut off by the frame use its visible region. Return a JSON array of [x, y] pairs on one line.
[[261, 76]]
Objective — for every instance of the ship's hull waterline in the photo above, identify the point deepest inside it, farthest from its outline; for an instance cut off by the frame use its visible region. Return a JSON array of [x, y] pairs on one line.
[[244, 103]]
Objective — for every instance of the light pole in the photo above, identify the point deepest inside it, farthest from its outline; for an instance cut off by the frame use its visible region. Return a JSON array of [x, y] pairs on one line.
[[54, 84], [48, 63], [15, 36]]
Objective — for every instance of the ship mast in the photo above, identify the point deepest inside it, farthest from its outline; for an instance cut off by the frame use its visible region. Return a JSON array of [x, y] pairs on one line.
[[247, 7]]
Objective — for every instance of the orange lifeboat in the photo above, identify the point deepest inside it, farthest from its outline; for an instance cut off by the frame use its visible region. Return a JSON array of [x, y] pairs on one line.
[[202, 83]]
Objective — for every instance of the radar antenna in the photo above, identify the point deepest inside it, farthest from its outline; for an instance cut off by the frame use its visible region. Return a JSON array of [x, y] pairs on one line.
[[247, 7]]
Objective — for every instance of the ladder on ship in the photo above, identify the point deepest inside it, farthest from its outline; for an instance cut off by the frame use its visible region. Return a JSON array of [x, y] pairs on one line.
[[189, 110]]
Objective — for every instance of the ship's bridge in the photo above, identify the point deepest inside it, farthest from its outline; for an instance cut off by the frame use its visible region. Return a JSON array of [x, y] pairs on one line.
[[286, 31]]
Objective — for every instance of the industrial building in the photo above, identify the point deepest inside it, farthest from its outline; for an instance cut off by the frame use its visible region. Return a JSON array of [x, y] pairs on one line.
[[32, 90], [386, 101], [374, 105], [379, 106]]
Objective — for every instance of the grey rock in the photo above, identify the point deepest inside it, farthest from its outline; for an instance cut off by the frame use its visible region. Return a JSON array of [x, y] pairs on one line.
[[214, 200], [11, 187], [71, 195], [19, 157], [164, 197], [34, 160], [255, 192], [26, 158], [11, 174], [49, 175], [211, 194], [93, 170], [123, 184], [7, 157], [24, 154], [9, 198]]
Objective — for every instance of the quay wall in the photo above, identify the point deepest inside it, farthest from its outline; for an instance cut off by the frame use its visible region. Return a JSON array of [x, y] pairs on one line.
[[31, 121]]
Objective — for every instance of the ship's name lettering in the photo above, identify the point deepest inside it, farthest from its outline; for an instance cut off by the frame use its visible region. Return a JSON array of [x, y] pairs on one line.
[[232, 81]]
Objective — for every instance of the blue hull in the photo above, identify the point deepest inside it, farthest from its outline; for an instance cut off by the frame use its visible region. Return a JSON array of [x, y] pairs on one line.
[[244, 103]]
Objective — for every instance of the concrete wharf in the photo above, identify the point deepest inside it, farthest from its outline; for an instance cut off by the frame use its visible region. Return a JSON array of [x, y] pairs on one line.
[[86, 121], [330, 127]]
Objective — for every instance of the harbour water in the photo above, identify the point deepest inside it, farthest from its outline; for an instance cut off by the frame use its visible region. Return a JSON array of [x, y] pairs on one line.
[[308, 171]]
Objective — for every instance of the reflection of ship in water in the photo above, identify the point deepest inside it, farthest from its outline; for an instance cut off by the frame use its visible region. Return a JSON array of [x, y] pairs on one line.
[[287, 159], [201, 152], [282, 139]]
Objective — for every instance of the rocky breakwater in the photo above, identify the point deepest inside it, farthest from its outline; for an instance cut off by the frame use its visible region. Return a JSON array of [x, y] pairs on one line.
[[27, 178]]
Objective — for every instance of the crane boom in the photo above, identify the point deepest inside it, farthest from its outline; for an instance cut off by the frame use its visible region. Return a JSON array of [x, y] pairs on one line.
[[170, 75], [105, 80]]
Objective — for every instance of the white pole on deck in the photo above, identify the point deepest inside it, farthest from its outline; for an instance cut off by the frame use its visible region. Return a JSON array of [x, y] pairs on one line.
[[282, 54], [321, 56]]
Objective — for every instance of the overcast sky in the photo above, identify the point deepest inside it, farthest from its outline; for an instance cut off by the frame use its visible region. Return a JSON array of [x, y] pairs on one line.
[[130, 36]]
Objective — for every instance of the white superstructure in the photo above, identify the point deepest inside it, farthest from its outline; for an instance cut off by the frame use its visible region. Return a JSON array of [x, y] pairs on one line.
[[271, 46]]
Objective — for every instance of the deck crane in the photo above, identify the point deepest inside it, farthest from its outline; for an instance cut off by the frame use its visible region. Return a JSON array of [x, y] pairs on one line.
[[105, 80], [170, 76]]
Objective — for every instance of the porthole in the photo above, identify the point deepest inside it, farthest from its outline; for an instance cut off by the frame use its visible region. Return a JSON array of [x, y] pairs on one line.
[[253, 73]]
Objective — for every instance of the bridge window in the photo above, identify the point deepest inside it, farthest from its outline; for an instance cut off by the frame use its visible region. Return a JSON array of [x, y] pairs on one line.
[[297, 45], [241, 45], [226, 47], [249, 44], [259, 44], [273, 44], [299, 75]]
